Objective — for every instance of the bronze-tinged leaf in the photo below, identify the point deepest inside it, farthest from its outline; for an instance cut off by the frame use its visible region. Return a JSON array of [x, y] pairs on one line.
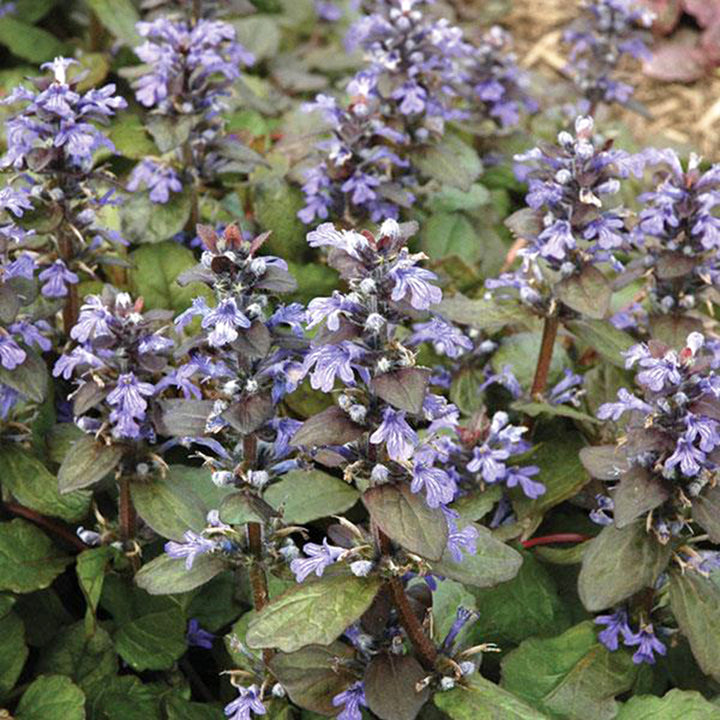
[[329, 427], [276, 279], [673, 330], [695, 602], [588, 292], [405, 517], [638, 493], [253, 342], [390, 687], [604, 462], [618, 563], [87, 462], [525, 223], [404, 389], [244, 507], [183, 418], [88, 396], [312, 613], [249, 413], [706, 512], [314, 675]]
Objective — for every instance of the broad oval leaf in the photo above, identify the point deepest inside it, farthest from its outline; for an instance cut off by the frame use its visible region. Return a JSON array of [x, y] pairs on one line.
[[638, 493], [28, 558], [405, 517], [695, 601], [571, 675], [243, 507], [451, 162], [30, 378], [183, 418], [249, 413], [493, 562], [312, 613], [405, 389], [314, 675], [604, 462], [674, 705], [167, 507], [13, 650], [166, 576], [332, 426], [588, 292], [87, 462], [153, 641], [603, 581], [604, 338], [390, 687], [51, 696], [706, 512], [34, 486], [482, 699], [306, 495]]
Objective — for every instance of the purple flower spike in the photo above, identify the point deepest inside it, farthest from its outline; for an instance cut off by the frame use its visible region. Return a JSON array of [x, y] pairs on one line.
[[56, 278], [194, 546], [11, 354], [319, 557]]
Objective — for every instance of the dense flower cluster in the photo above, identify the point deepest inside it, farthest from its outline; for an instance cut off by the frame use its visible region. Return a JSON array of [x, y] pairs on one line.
[[497, 84], [678, 232], [362, 171], [57, 126], [117, 361], [190, 68], [609, 30], [671, 430]]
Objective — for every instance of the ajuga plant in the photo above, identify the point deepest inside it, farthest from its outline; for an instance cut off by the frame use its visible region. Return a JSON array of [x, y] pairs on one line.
[[240, 362], [51, 148], [386, 435], [190, 66], [662, 497], [606, 31]]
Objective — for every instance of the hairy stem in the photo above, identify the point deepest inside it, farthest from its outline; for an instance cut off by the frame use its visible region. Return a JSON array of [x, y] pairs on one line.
[[128, 518], [258, 579], [71, 310], [423, 645], [547, 344]]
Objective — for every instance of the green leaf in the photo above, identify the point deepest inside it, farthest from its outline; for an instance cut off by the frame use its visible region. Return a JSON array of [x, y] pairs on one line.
[[88, 462], [405, 389], [533, 409], [119, 17], [464, 390], [561, 472], [706, 512], [446, 599], [145, 222], [482, 699], [406, 518], [167, 507], [153, 641], [587, 292], [521, 351], [90, 569], [314, 675], [485, 314], [169, 132], [34, 486], [673, 329], [451, 162], [217, 603], [674, 705], [29, 42], [13, 651], [450, 199], [603, 337], [445, 234], [154, 275], [244, 507], [477, 503], [125, 698], [166, 576], [602, 583], [260, 35], [178, 708], [637, 493], [32, 11], [572, 675], [391, 682], [49, 697], [276, 205], [130, 138], [527, 605], [30, 378], [28, 559], [89, 660], [304, 496], [312, 613], [695, 601], [493, 562]]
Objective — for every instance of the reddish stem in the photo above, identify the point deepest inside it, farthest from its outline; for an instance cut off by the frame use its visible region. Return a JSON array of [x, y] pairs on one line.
[[556, 538], [54, 527], [547, 344]]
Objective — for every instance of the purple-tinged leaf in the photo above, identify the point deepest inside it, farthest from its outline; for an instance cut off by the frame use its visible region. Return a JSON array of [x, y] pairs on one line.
[[404, 389]]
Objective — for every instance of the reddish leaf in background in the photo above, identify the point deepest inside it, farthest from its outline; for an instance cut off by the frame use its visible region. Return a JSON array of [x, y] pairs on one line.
[[688, 54]]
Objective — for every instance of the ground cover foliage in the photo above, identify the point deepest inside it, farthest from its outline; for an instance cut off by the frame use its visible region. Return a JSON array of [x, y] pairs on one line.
[[342, 375]]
